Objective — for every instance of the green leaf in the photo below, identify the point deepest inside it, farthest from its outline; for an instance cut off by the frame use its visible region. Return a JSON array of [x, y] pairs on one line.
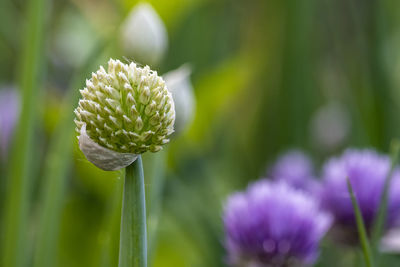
[[380, 219], [362, 233], [55, 171], [15, 234]]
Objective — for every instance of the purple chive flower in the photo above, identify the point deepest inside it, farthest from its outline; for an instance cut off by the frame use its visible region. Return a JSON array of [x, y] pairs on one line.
[[9, 112], [367, 171], [296, 169], [273, 224]]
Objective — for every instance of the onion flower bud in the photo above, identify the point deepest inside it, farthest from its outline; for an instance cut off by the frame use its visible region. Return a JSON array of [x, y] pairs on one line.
[[144, 36], [124, 111], [180, 86]]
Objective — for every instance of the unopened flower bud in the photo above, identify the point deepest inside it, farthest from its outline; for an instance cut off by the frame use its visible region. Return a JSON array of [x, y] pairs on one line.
[[330, 126], [178, 83], [119, 115], [143, 35]]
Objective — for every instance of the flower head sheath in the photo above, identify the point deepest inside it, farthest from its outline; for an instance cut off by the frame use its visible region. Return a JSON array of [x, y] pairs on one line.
[[124, 111]]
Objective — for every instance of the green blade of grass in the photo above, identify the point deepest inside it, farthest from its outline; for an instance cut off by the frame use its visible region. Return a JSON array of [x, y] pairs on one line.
[[362, 233], [15, 240], [380, 219], [55, 171]]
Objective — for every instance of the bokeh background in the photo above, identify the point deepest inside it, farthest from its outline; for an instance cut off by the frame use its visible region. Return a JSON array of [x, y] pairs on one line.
[[268, 75]]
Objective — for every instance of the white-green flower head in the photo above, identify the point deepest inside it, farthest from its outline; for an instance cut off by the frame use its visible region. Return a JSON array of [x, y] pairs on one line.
[[124, 111]]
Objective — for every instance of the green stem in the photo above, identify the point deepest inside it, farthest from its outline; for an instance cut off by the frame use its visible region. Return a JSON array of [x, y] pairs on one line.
[[380, 220], [133, 239], [362, 233], [15, 239]]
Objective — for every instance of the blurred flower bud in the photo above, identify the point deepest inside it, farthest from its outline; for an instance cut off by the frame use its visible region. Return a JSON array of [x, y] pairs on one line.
[[178, 83], [9, 112], [73, 39], [144, 36], [390, 242], [124, 111], [330, 126], [273, 224], [296, 169], [367, 171]]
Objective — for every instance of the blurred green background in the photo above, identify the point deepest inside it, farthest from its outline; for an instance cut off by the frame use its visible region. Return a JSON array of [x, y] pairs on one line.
[[268, 75]]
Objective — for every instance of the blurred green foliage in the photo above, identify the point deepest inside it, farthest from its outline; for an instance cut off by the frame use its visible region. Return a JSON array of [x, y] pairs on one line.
[[261, 72]]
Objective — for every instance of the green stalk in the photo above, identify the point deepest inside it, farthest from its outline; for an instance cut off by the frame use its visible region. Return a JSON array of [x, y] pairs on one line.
[[55, 172], [156, 173], [380, 220], [19, 180], [52, 196], [133, 239], [362, 233]]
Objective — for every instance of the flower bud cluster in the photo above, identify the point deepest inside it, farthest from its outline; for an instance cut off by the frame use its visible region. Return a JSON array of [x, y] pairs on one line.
[[127, 109]]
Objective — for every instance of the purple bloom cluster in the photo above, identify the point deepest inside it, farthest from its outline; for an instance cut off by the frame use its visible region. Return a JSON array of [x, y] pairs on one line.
[[273, 224], [279, 223], [9, 111], [295, 168], [367, 171]]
